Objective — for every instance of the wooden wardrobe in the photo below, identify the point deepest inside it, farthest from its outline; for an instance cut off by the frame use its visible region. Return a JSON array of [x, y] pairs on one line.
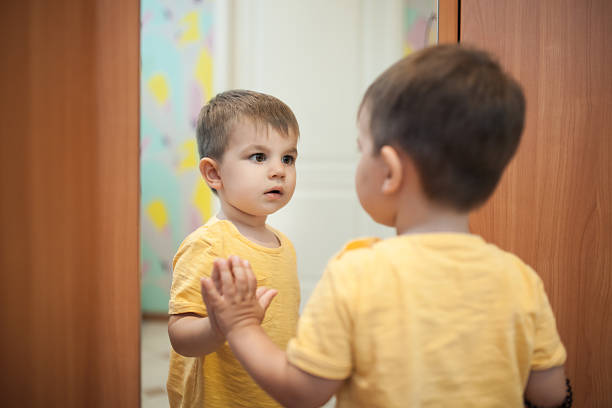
[[554, 205]]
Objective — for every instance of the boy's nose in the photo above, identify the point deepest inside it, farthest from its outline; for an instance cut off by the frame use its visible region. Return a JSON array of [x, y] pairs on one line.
[[277, 170]]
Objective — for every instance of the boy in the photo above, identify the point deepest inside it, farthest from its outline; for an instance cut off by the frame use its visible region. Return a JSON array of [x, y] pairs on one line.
[[247, 143], [434, 317]]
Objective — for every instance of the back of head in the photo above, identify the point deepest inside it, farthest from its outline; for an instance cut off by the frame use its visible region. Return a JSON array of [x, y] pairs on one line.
[[221, 113], [457, 115]]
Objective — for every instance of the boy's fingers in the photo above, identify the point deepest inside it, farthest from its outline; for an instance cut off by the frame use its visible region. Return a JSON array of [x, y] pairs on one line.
[[260, 291], [226, 278], [216, 277], [205, 296], [251, 281], [240, 276], [210, 305], [209, 292], [266, 296]]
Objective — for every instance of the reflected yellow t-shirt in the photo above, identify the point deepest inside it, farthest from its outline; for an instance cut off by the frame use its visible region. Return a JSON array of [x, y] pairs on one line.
[[218, 380], [428, 320]]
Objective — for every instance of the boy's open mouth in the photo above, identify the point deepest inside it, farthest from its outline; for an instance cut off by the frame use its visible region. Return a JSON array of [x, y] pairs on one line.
[[273, 192]]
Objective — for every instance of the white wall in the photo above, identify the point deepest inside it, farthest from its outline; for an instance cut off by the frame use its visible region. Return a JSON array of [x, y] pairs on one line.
[[318, 56]]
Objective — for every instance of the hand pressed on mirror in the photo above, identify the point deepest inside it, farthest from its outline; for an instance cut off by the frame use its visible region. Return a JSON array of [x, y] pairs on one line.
[[231, 295]]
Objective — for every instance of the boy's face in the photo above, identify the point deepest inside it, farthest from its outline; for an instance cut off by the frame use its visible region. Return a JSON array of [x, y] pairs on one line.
[[258, 169], [370, 174]]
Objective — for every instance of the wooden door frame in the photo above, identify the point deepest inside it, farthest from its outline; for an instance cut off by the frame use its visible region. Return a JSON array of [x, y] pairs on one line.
[[448, 21], [69, 180]]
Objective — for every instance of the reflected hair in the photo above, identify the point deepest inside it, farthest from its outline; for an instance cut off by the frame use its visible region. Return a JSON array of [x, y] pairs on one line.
[[218, 117]]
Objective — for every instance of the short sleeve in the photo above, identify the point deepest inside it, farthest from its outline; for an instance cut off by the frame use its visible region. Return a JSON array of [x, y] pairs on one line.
[[193, 261], [548, 349], [322, 346]]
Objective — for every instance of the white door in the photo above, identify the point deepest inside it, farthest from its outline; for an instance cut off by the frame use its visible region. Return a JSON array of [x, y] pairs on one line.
[[318, 56]]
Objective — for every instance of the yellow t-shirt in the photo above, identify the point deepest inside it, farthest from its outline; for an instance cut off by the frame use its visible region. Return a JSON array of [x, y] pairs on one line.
[[429, 320], [218, 380]]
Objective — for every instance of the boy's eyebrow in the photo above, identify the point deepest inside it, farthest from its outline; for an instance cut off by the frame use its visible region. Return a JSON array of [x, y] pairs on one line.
[[265, 148], [256, 147]]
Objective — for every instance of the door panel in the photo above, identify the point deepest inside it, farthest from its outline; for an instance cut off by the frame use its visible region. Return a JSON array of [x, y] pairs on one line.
[[553, 207], [69, 209], [318, 57]]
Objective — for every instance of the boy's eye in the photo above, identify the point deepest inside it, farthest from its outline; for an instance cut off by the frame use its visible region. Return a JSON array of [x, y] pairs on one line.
[[258, 157], [288, 159]]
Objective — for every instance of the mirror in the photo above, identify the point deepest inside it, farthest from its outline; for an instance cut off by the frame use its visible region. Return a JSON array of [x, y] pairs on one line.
[[318, 57]]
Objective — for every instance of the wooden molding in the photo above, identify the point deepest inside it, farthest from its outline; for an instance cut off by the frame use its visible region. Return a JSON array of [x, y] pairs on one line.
[[448, 21]]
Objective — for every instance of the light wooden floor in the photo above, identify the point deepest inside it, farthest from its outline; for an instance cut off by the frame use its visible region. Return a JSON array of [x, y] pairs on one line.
[[155, 354]]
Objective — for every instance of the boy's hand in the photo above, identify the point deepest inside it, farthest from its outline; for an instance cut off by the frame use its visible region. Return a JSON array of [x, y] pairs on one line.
[[211, 312], [232, 294]]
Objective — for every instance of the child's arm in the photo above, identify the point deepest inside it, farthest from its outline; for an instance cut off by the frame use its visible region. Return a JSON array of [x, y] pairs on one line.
[[233, 298], [192, 335], [546, 388]]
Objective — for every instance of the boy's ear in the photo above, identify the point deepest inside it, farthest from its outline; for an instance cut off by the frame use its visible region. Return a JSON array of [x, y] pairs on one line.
[[209, 169], [394, 176]]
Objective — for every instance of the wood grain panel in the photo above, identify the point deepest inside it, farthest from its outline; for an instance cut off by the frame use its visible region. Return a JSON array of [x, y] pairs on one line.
[[70, 189], [118, 192], [14, 202], [553, 207]]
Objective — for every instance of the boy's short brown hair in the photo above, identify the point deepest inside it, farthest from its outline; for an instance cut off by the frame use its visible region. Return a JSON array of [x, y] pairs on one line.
[[219, 115], [456, 114]]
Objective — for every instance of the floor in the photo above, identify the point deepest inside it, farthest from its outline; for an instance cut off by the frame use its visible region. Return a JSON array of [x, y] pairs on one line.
[[154, 370]]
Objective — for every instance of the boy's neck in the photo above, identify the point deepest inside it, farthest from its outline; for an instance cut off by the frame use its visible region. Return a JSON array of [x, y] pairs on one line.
[[251, 226], [458, 225], [428, 218]]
